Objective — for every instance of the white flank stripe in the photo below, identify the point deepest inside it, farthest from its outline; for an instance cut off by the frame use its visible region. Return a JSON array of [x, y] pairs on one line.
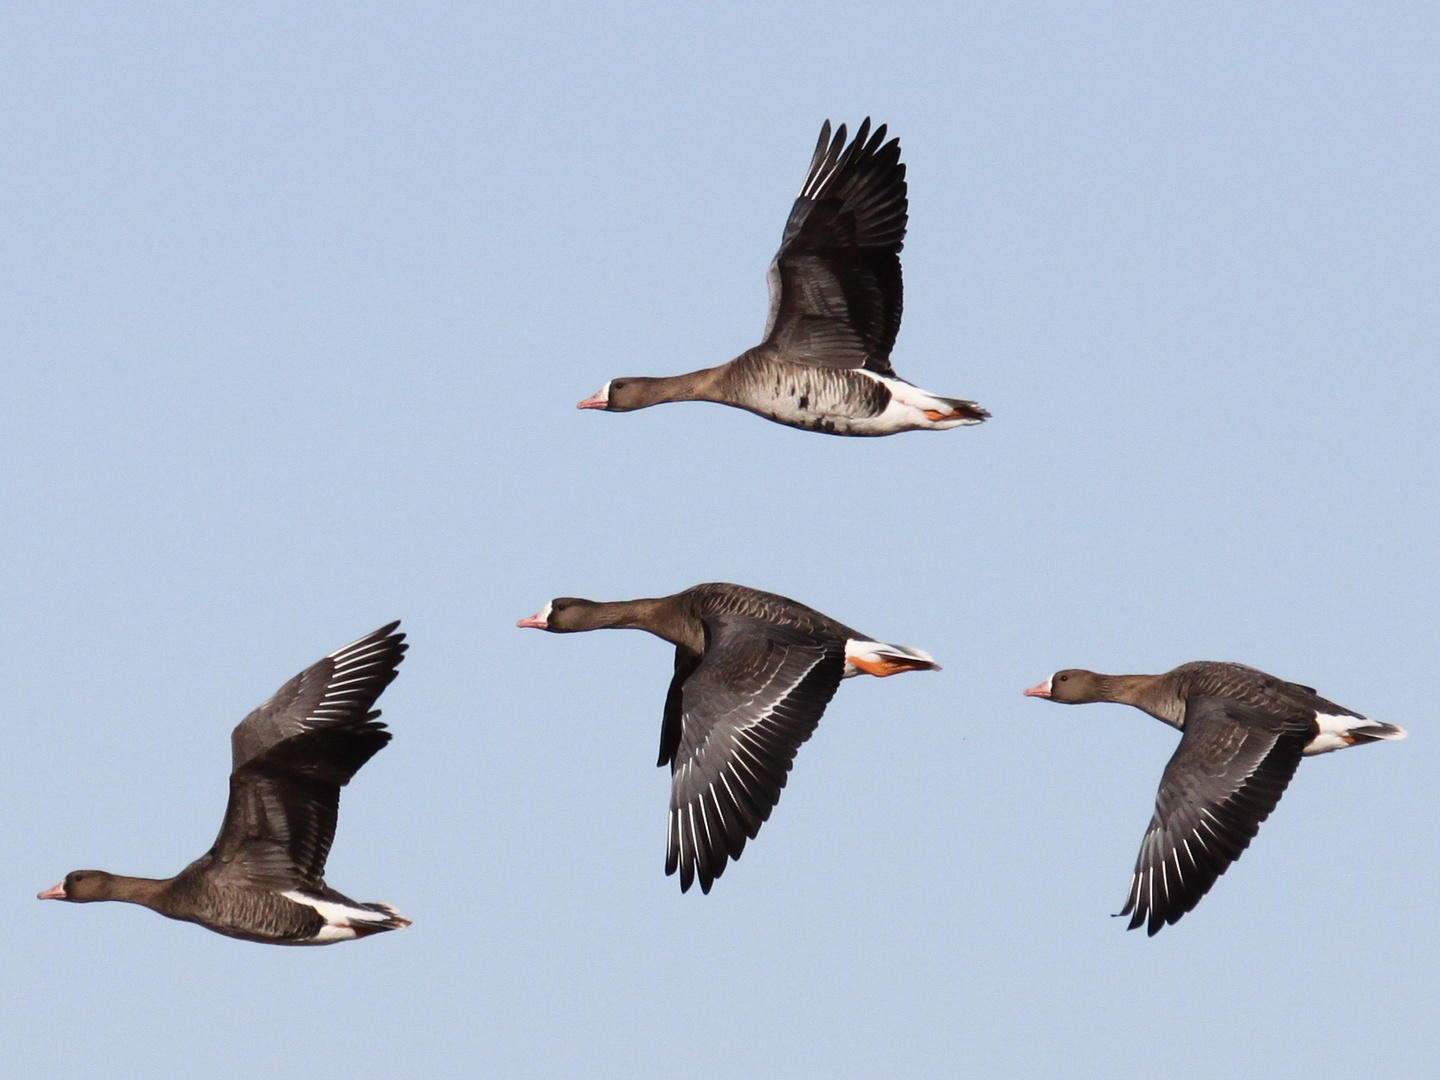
[[330, 932], [336, 915]]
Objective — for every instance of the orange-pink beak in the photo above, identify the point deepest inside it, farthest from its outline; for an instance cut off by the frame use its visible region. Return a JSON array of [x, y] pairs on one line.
[[1043, 690], [535, 622], [598, 400], [55, 893]]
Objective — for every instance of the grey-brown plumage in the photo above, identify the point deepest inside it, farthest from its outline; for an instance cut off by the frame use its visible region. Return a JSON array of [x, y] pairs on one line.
[[753, 673], [263, 879], [836, 296], [1244, 733]]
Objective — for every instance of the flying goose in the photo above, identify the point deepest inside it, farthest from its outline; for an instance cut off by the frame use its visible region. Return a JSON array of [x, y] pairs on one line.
[[1244, 733], [263, 880], [835, 301], [753, 673]]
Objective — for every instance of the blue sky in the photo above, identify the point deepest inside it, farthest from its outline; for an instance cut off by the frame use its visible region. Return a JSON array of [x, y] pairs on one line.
[[296, 304]]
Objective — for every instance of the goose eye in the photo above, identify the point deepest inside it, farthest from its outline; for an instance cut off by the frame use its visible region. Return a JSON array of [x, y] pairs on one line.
[[1064, 678]]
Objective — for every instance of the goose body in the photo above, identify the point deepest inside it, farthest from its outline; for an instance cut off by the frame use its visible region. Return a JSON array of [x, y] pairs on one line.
[[836, 295], [1244, 733], [263, 880], [753, 673]]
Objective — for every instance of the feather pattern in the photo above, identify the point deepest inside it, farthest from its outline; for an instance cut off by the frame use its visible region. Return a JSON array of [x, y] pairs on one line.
[[754, 672], [263, 879], [1244, 733], [836, 299], [293, 755], [1233, 763], [836, 290], [757, 695]]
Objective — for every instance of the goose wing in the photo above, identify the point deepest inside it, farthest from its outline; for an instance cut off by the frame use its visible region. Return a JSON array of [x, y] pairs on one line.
[[292, 756], [744, 710], [1233, 763], [835, 285], [686, 661]]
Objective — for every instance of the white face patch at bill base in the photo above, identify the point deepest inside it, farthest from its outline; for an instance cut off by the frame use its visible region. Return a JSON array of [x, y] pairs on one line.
[[1044, 690]]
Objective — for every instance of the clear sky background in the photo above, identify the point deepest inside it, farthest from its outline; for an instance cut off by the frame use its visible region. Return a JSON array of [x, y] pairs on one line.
[[295, 305]]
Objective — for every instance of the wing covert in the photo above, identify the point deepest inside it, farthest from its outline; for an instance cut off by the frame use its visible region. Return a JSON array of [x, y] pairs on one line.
[[281, 817], [1226, 776], [836, 289], [757, 695], [293, 754], [343, 686]]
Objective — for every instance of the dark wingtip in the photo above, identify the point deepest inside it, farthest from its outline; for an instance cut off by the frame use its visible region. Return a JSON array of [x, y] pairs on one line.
[[386, 633]]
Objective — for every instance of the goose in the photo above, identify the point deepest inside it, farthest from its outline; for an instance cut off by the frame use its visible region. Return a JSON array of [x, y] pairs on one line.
[[1244, 733], [263, 880], [753, 674], [835, 301]]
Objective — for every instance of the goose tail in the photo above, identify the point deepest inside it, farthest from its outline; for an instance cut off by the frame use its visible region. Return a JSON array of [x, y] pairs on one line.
[[390, 920], [1372, 730], [879, 659], [956, 412], [1338, 732]]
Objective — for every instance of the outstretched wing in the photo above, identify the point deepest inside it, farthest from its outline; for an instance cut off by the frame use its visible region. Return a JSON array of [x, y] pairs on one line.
[[746, 708], [340, 687], [293, 755], [835, 285], [1226, 776]]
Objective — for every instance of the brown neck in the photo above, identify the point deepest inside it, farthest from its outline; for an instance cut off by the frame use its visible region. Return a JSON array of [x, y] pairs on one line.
[[662, 617], [1149, 693], [702, 385], [148, 892]]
